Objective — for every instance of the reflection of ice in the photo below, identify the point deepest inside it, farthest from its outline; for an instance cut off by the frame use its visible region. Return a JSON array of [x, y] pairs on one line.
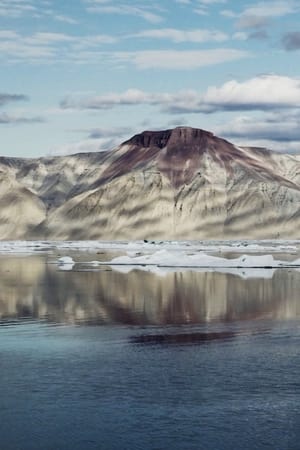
[[33, 288], [245, 273]]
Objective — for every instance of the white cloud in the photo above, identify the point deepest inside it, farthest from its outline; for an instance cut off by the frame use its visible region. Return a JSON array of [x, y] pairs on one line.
[[276, 131], [175, 35], [14, 119], [16, 8], [48, 47], [200, 7], [228, 13], [200, 2], [291, 147], [65, 19], [98, 140], [105, 7], [278, 128], [110, 133], [201, 11], [53, 47], [240, 36], [133, 97], [37, 9], [8, 34], [277, 8], [248, 21], [110, 100], [259, 14], [98, 2], [93, 41], [22, 50], [258, 93], [178, 60], [211, 2], [261, 93], [42, 38], [84, 146]]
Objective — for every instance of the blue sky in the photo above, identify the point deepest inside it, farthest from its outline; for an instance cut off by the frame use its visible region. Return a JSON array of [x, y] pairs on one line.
[[84, 75]]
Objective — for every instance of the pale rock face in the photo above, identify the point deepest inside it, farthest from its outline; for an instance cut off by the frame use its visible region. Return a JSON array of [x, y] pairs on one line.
[[21, 210], [174, 184]]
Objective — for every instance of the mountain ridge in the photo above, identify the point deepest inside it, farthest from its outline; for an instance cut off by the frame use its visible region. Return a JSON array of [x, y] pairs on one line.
[[183, 183]]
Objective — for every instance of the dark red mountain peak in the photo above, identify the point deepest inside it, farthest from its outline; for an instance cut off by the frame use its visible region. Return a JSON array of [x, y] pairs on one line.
[[161, 139]]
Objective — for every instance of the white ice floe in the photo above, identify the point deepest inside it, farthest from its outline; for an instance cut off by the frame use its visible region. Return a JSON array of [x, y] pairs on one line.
[[65, 263], [213, 246], [163, 262], [164, 258]]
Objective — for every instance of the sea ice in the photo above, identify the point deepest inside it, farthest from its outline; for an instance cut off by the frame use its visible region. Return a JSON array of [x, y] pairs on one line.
[[163, 262], [65, 263], [213, 246], [164, 258]]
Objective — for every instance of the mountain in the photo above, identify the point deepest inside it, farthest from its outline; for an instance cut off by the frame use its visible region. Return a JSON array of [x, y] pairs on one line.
[[183, 183]]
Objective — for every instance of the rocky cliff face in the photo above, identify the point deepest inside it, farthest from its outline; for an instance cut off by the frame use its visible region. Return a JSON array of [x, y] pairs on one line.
[[183, 183]]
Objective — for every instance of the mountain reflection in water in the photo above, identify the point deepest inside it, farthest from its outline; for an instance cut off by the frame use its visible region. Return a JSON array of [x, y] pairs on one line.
[[182, 338], [31, 288]]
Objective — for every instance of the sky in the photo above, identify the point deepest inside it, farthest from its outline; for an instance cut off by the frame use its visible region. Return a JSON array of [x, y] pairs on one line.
[[85, 75]]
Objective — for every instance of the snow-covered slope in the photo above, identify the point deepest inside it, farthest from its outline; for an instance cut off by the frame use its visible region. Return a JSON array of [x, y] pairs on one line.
[[183, 183]]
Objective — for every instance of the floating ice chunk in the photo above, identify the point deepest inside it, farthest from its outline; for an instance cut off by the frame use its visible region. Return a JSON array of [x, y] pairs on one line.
[[65, 263], [164, 258], [65, 260]]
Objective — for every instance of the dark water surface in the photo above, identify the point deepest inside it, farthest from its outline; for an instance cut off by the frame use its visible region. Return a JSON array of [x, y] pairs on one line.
[[105, 360]]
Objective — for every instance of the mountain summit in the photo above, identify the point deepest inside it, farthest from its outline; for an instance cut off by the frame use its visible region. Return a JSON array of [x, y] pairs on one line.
[[161, 139], [182, 183]]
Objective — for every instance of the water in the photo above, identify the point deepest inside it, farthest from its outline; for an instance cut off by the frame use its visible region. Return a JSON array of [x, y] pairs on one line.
[[106, 360]]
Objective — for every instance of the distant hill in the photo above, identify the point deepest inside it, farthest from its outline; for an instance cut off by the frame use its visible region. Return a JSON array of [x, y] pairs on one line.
[[183, 183]]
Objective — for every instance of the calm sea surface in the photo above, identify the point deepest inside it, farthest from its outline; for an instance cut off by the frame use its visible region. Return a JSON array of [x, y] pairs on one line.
[[107, 360]]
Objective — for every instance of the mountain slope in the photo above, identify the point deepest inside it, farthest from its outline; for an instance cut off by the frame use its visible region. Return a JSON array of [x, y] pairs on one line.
[[183, 183]]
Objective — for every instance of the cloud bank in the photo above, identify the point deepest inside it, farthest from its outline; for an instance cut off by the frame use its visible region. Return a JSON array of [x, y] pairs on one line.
[[261, 93]]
